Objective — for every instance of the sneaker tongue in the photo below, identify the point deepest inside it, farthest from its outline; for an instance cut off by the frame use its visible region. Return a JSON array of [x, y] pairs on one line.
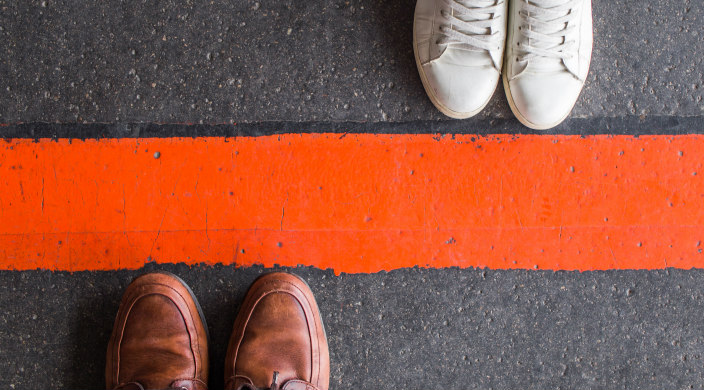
[[475, 4], [473, 18], [462, 56], [548, 64], [542, 64]]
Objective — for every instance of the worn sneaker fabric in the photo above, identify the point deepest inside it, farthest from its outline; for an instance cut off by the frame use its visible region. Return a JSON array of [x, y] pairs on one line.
[[548, 55], [458, 46]]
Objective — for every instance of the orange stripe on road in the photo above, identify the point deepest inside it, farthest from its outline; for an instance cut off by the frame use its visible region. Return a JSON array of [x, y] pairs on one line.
[[355, 203]]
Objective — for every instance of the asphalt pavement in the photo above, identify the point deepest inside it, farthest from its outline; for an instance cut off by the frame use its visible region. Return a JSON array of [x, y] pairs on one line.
[[215, 62], [411, 328], [167, 68]]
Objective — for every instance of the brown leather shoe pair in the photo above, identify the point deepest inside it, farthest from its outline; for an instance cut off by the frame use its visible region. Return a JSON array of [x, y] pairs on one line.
[[160, 339]]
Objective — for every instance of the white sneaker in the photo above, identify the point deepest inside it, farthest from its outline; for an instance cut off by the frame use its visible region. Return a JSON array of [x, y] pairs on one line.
[[549, 50], [458, 45]]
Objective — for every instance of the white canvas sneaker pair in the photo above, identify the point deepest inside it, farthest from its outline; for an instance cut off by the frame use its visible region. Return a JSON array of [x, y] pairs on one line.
[[459, 48]]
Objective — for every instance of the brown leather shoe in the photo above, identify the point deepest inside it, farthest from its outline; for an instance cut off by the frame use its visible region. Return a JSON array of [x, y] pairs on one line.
[[160, 340], [278, 341]]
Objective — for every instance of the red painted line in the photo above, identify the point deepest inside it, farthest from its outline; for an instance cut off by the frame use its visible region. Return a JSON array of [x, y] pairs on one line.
[[360, 203]]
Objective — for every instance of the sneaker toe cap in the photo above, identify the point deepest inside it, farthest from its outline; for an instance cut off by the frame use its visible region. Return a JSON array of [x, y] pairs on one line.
[[543, 101], [460, 91]]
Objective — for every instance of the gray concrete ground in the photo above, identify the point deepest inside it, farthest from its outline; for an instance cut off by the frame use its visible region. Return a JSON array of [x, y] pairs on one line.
[[409, 329], [126, 67], [324, 60]]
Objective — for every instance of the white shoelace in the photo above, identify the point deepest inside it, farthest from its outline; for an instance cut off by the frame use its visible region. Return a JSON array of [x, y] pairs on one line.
[[547, 24], [472, 24]]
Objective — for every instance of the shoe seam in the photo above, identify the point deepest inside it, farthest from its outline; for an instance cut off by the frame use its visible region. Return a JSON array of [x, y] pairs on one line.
[[132, 301], [261, 296]]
